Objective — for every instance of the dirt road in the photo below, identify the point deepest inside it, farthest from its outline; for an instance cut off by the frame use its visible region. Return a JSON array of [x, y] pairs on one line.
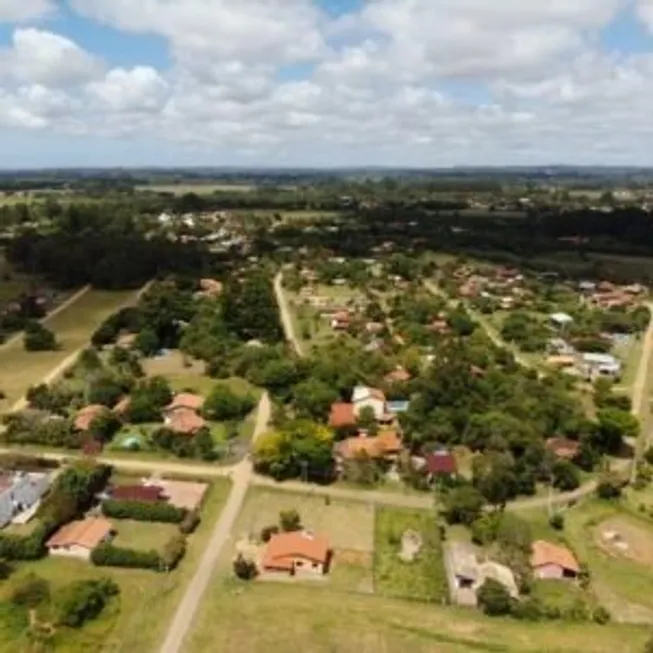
[[242, 475], [62, 307], [639, 386], [286, 318]]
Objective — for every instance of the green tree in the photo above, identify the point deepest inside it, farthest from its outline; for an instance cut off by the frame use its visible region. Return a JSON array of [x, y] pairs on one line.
[[38, 338], [147, 342], [565, 476], [463, 505], [494, 598], [614, 425], [290, 521], [313, 398]]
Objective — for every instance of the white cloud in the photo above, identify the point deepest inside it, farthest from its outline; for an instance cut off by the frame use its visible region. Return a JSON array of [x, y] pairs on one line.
[[19, 10], [138, 89], [244, 30], [43, 57]]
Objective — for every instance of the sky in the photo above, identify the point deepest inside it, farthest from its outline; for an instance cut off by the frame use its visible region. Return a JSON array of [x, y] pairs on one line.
[[325, 83]]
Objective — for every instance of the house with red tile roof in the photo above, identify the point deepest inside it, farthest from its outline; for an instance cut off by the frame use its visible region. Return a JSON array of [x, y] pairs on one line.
[[184, 421], [298, 552], [551, 561], [78, 538], [386, 445], [186, 400], [441, 463], [341, 415], [87, 415]]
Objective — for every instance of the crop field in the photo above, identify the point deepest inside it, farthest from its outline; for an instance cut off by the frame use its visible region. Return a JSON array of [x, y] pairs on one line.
[[73, 328]]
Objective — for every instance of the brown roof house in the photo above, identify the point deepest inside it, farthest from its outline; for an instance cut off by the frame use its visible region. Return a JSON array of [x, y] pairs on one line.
[[184, 421], [550, 561], [398, 375], [87, 415], [186, 400], [78, 538], [440, 464], [385, 445], [299, 552], [563, 447], [341, 415]]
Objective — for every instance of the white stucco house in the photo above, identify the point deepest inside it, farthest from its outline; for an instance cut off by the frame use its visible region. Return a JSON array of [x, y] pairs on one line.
[[365, 397]]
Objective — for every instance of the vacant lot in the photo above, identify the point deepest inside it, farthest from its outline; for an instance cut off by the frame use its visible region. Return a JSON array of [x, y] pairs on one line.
[[144, 536], [73, 327], [265, 617], [138, 620], [424, 578]]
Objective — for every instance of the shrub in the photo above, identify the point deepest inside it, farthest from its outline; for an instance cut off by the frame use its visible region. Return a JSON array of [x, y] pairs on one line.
[[601, 616], [245, 569], [290, 521], [609, 488], [267, 532], [107, 555], [31, 591], [493, 598], [38, 338], [557, 521], [83, 600], [648, 456], [463, 505], [190, 522], [141, 511], [173, 551], [24, 547]]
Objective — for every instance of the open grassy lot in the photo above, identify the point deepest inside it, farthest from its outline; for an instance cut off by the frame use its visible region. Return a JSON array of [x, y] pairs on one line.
[[424, 578], [73, 327], [138, 620], [267, 617], [186, 374], [145, 536]]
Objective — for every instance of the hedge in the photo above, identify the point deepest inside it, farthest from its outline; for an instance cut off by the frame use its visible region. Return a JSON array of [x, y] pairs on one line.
[[24, 547], [140, 511], [107, 555]]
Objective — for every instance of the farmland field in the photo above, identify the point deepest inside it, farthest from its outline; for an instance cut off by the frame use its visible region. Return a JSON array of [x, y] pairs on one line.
[[73, 327], [265, 617]]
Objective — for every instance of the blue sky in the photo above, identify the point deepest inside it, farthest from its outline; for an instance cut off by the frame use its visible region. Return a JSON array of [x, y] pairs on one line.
[[325, 82]]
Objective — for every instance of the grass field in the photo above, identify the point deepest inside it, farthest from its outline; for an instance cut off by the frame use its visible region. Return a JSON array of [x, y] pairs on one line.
[[137, 622], [423, 579], [73, 328], [266, 617], [144, 536]]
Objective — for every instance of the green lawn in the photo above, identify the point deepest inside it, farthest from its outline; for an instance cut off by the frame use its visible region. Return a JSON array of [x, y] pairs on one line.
[[266, 617], [423, 579], [73, 328], [144, 536], [148, 600]]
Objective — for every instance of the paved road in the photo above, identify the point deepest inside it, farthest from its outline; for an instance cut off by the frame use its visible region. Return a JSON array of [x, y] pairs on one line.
[[286, 319], [242, 475]]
